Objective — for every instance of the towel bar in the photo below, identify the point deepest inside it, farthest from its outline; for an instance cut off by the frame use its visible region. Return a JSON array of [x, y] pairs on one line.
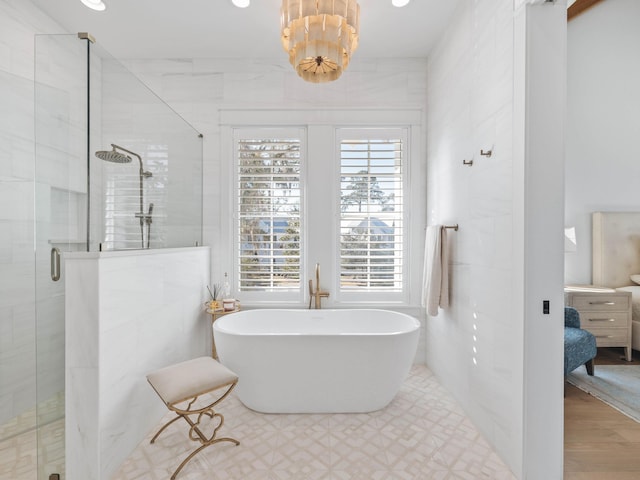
[[449, 227]]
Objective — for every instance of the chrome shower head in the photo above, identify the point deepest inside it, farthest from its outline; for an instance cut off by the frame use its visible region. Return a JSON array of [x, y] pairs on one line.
[[113, 156]]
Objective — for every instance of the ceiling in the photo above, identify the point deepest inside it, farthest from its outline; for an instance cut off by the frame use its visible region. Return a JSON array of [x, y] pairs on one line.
[[215, 28]]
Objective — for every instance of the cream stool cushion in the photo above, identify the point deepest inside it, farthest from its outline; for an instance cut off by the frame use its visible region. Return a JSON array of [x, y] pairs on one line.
[[185, 380]]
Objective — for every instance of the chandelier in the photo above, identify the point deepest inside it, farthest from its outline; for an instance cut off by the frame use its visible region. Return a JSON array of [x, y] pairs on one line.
[[320, 36]]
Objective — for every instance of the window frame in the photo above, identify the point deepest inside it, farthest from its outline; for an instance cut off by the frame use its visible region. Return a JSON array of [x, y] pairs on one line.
[[372, 133], [269, 296], [319, 127]]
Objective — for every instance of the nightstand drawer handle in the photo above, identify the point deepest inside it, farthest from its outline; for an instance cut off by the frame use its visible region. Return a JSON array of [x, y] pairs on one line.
[[602, 303], [604, 336], [602, 319]]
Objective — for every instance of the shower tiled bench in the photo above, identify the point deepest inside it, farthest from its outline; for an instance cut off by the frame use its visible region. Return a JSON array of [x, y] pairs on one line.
[[179, 387]]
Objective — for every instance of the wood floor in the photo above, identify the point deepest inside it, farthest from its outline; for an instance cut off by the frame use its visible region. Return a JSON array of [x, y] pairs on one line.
[[600, 443]]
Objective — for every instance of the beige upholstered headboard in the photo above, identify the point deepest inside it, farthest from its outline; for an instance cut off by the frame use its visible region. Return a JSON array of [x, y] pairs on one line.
[[616, 248]]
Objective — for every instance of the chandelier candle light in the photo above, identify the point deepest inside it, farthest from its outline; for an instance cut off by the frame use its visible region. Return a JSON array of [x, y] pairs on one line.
[[320, 36]]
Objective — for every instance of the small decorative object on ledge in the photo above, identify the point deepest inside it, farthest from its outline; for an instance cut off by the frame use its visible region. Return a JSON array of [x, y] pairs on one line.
[[226, 288], [228, 304], [214, 304]]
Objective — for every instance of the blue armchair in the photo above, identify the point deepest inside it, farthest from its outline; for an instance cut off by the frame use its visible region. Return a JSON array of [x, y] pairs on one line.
[[579, 345]]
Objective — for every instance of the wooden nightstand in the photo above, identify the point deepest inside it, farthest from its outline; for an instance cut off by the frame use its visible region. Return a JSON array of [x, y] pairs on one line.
[[605, 312]]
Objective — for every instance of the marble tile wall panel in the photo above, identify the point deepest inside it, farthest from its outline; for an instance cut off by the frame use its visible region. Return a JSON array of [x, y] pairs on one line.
[[17, 364], [128, 315], [470, 98], [16, 157], [16, 97], [19, 23], [82, 368], [60, 97], [17, 361]]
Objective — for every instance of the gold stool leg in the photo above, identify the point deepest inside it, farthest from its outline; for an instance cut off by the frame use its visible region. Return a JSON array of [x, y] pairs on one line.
[[163, 428], [195, 433], [193, 454], [201, 437]]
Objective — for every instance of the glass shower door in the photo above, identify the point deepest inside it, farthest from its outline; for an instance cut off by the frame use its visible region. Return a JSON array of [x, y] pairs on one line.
[[61, 87], [17, 312]]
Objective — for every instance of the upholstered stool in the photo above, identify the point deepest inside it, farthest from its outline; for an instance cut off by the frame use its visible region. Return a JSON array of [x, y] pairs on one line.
[[179, 387]]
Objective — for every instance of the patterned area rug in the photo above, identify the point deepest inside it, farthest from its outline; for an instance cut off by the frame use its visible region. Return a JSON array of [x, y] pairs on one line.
[[615, 385]]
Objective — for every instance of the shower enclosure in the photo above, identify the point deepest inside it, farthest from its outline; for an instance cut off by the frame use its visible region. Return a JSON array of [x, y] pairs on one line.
[[134, 165], [115, 168]]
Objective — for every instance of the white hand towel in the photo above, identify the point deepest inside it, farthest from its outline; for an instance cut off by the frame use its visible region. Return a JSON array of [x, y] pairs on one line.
[[436, 270]]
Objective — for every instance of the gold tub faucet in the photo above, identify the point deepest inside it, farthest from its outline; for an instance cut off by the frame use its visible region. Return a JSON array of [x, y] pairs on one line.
[[318, 294]]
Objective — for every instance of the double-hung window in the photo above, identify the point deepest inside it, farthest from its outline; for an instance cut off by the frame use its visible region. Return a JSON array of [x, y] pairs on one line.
[[268, 210], [371, 218], [323, 194]]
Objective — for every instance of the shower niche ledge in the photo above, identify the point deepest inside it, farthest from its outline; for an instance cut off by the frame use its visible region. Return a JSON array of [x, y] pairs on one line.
[[67, 217], [64, 241]]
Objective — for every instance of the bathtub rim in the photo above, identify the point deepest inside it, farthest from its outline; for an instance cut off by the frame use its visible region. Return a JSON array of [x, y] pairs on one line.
[[220, 324]]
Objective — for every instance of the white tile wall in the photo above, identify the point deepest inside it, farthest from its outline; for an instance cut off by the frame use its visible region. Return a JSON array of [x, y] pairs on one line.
[[484, 348], [471, 346], [19, 21]]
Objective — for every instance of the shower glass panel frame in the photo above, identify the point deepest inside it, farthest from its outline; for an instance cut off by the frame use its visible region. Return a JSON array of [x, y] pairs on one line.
[[85, 100]]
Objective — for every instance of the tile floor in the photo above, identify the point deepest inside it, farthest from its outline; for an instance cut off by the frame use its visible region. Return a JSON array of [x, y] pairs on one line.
[[422, 434], [19, 454], [19, 440]]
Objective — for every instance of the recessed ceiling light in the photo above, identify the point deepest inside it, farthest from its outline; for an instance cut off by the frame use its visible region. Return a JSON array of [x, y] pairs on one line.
[[399, 3], [94, 4], [241, 3]]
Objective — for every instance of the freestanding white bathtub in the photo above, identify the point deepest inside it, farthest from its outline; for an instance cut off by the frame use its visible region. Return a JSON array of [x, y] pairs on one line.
[[317, 361]]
